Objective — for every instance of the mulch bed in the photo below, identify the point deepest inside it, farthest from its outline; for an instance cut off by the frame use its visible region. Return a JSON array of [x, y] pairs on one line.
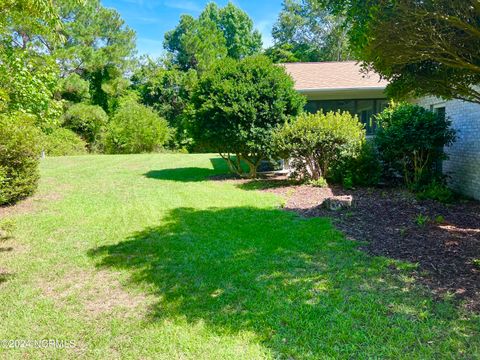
[[445, 244]]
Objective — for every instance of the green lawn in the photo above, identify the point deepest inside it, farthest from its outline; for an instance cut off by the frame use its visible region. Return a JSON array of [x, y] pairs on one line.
[[141, 257]]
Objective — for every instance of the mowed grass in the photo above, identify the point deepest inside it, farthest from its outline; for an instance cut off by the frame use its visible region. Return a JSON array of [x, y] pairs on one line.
[[142, 257]]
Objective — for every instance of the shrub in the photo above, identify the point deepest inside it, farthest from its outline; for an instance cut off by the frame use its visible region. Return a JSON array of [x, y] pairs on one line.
[[315, 142], [61, 142], [320, 182], [88, 121], [411, 139], [437, 191], [237, 106], [364, 169], [135, 128], [19, 157], [74, 88]]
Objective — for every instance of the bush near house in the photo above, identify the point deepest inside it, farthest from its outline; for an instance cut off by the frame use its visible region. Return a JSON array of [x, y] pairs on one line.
[[365, 169], [19, 157], [135, 128], [411, 141], [315, 142], [238, 105]]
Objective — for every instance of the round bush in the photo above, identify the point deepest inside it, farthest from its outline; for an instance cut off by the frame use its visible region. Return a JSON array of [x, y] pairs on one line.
[[135, 128], [88, 121], [238, 105], [62, 142], [411, 141], [74, 88], [19, 157], [315, 142]]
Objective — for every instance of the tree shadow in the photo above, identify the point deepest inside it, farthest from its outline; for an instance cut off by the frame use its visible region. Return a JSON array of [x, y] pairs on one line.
[[190, 174], [297, 284], [266, 183]]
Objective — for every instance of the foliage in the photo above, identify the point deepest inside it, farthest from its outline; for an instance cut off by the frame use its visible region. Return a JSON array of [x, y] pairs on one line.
[[36, 17], [73, 88], [62, 142], [7, 227], [195, 44], [95, 37], [437, 191], [88, 121], [240, 37], [476, 263], [315, 142], [27, 84], [19, 157], [167, 91], [364, 169], [411, 141], [313, 33], [281, 53], [217, 33], [238, 104], [432, 48], [95, 47], [422, 220], [135, 128], [320, 182]]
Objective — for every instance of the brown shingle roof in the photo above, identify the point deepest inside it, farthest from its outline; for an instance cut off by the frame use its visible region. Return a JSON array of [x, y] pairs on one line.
[[332, 75]]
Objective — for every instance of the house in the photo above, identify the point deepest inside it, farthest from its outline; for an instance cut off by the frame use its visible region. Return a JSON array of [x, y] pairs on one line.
[[344, 86], [340, 86]]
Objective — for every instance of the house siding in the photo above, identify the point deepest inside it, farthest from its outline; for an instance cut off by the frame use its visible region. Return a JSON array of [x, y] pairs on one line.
[[463, 165]]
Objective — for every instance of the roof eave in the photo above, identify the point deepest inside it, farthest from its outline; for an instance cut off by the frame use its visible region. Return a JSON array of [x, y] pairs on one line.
[[330, 90]]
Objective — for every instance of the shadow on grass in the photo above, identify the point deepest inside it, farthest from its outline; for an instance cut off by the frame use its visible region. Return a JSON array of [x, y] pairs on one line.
[[262, 184], [296, 284], [190, 174]]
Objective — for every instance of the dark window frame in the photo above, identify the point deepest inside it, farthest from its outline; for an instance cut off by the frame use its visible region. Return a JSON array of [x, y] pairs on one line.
[[369, 125]]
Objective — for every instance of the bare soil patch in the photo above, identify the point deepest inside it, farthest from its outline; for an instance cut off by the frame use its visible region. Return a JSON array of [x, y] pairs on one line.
[[443, 239], [99, 292], [28, 205]]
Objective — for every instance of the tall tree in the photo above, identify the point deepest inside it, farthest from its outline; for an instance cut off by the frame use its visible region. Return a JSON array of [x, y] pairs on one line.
[[27, 76], [195, 44], [96, 37], [237, 107], [217, 33], [237, 28], [421, 46], [313, 33]]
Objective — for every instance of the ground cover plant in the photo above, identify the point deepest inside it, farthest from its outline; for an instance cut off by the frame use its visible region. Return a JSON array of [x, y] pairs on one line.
[[143, 256]]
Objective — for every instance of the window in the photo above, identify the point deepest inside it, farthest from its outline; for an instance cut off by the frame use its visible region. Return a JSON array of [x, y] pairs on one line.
[[365, 109]]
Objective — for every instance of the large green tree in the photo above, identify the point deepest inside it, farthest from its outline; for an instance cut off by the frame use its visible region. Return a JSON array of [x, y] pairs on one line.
[[168, 91], [421, 46], [215, 34], [238, 104], [99, 46], [237, 28], [310, 33], [27, 76], [195, 44]]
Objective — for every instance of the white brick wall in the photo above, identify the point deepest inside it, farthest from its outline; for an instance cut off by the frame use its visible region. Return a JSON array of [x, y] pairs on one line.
[[463, 165]]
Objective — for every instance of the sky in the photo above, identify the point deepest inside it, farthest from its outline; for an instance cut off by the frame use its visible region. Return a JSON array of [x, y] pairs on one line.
[[152, 18]]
